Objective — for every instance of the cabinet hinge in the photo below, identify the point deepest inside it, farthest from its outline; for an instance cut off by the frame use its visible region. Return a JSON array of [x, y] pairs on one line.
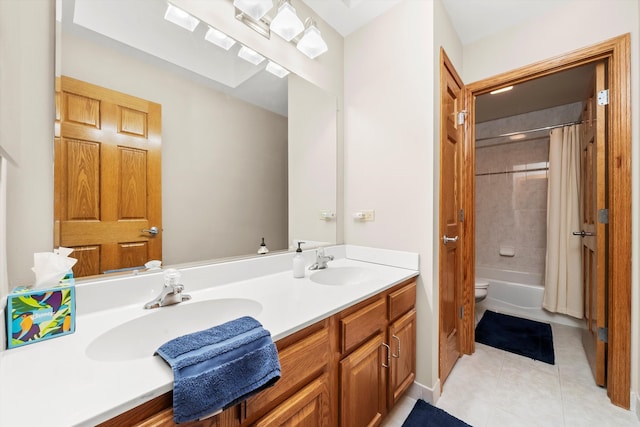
[[461, 312], [603, 334], [603, 216], [462, 115], [461, 215], [603, 97]]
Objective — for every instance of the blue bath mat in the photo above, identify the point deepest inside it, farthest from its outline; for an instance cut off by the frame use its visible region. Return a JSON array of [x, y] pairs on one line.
[[520, 336], [425, 415]]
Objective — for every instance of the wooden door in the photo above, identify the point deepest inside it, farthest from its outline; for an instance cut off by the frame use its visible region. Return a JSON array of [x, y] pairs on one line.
[[450, 269], [594, 228], [107, 180], [402, 372], [363, 385]]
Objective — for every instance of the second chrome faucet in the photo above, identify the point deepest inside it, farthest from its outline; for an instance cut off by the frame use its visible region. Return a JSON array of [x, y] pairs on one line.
[[321, 260]]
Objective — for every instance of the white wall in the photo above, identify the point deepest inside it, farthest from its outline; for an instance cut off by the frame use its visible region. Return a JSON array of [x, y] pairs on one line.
[[26, 119], [572, 26], [312, 162], [391, 146]]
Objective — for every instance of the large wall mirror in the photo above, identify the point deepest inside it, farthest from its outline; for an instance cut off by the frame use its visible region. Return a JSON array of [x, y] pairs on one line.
[[245, 154]]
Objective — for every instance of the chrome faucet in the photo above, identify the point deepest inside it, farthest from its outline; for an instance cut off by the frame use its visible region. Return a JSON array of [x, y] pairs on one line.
[[321, 260], [171, 292]]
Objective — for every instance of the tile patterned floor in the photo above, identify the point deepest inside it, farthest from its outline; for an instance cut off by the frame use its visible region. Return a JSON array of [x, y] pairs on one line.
[[494, 388]]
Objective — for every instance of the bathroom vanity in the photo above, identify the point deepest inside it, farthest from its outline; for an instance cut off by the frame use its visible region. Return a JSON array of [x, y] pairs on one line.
[[339, 332]]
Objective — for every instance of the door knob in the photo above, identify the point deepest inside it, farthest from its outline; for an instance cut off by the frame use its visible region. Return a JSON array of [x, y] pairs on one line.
[[582, 233], [446, 239], [153, 230]]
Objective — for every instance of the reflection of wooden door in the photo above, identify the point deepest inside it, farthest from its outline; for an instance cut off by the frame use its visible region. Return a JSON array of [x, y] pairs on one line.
[[593, 200], [107, 177], [451, 142]]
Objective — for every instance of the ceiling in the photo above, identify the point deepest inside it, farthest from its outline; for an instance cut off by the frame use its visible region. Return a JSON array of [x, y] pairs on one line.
[[474, 20]]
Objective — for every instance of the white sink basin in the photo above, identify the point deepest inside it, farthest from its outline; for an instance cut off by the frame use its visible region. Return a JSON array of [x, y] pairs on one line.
[[141, 337], [340, 276]]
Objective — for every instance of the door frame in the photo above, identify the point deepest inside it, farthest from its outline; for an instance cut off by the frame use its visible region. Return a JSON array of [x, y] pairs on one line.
[[617, 52]]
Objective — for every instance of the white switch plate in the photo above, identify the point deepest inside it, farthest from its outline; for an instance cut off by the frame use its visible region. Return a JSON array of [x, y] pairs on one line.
[[369, 215], [327, 215]]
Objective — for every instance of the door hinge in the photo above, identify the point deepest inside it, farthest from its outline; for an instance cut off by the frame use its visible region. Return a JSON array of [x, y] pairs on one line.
[[603, 334], [462, 115], [603, 97], [461, 312], [603, 216], [461, 215]]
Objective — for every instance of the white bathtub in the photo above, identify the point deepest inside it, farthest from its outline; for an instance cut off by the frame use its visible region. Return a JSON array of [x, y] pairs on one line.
[[519, 294]]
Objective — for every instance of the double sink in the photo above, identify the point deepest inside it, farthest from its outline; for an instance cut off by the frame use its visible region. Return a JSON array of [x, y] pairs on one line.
[[140, 337]]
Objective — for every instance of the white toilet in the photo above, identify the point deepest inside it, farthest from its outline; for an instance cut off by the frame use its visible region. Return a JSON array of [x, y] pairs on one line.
[[482, 289]]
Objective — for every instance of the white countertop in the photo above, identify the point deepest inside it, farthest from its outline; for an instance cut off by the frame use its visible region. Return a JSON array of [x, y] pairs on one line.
[[55, 382]]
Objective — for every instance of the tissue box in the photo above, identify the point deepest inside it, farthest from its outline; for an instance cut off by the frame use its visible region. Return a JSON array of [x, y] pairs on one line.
[[34, 315]]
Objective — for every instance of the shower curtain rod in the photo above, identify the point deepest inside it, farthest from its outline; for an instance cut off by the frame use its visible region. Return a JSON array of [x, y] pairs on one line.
[[529, 131]]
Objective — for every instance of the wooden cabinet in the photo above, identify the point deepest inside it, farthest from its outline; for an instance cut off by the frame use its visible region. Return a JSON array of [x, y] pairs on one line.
[[376, 374], [402, 369], [363, 384], [402, 341], [310, 407], [305, 358], [348, 370]]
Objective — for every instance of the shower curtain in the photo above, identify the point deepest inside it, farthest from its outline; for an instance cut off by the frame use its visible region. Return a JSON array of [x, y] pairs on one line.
[[563, 276]]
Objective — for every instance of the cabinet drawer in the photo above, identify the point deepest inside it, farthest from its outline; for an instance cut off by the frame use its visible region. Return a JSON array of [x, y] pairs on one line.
[[402, 300], [311, 406], [357, 327], [299, 363]]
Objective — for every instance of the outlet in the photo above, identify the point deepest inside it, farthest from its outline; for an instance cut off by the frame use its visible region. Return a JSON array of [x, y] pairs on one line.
[[369, 215]]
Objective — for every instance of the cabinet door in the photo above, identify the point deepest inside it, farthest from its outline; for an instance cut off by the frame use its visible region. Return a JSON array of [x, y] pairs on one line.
[[402, 340], [363, 385], [310, 407], [228, 418]]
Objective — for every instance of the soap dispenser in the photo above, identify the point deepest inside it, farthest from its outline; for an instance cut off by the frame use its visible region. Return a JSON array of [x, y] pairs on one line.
[[262, 249], [298, 263]]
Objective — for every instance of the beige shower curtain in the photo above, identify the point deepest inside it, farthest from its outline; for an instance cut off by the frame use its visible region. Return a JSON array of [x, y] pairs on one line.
[[563, 276]]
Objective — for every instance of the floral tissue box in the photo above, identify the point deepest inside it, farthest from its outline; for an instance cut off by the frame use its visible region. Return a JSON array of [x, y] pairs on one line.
[[34, 315]]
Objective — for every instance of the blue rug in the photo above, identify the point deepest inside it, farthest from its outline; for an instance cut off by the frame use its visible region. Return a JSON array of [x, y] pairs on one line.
[[425, 415], [520, 336]]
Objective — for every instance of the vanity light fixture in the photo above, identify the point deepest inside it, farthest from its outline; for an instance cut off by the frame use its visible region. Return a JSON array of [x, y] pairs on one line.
[[219, 38], [250, 55], [312, 44], [181, 18], [504, 89], [256, 9], [286, 24], [276, 69]]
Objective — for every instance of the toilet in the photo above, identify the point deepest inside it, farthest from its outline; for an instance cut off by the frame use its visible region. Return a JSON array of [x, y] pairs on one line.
[[482, 289]]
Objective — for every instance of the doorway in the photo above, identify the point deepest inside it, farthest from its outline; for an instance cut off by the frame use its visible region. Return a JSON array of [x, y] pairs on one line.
[[617, 53]]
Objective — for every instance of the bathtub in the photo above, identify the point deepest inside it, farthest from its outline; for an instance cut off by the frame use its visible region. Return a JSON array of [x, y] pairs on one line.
[[519, 294]]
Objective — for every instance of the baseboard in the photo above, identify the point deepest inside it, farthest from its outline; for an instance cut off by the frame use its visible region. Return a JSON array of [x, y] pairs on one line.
[[635, 404], [421, 391]]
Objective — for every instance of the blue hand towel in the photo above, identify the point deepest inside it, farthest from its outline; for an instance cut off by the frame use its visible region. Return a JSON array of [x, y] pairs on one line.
[[219, 367]]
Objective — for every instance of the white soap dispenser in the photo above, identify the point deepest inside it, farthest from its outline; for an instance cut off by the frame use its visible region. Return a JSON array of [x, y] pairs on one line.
[[298, 263]]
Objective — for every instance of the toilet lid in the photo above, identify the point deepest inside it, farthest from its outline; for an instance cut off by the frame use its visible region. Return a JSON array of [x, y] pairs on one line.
[[482, 283]]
